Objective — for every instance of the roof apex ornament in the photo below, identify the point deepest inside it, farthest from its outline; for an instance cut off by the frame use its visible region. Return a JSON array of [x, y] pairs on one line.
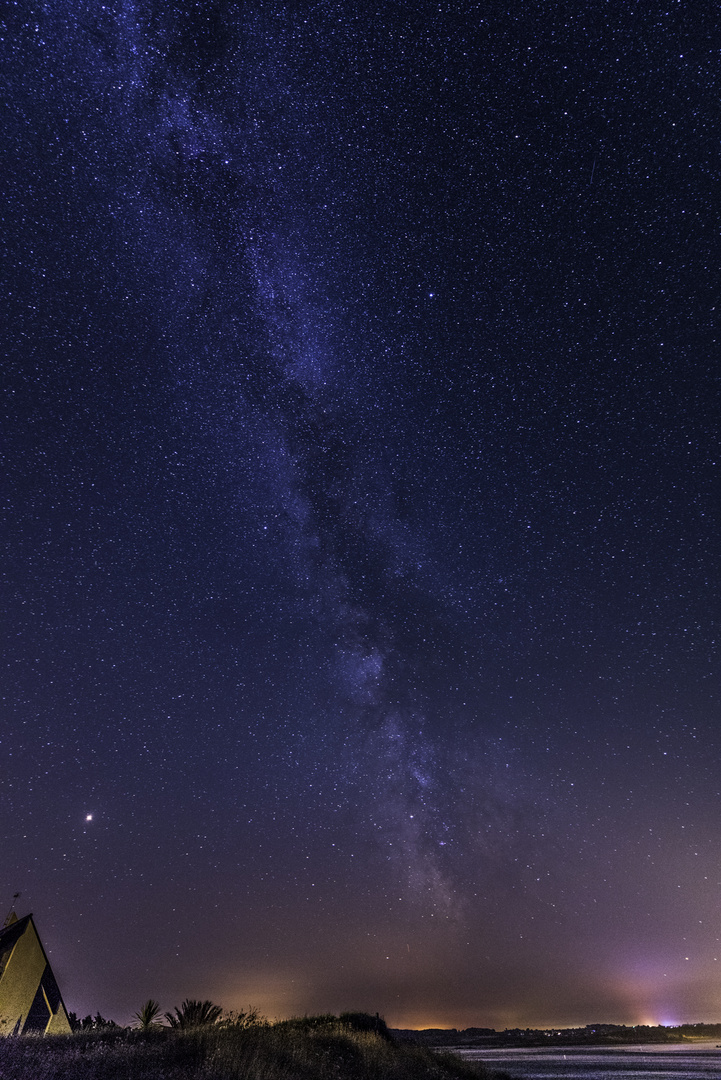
[[11, 916]]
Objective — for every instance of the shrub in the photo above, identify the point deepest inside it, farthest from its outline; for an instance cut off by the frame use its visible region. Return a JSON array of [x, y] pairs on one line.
[[362, 1021], [149, 1016], [192, 1014], [242, 1018]]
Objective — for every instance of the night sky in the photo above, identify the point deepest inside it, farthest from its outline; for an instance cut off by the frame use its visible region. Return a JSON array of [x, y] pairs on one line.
[[360, 557]]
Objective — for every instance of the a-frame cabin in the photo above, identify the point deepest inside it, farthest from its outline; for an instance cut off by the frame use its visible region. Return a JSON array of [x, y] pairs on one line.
[[30, 999]]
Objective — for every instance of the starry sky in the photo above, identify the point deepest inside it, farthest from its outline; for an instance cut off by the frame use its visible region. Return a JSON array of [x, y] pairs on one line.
[[360, 556]]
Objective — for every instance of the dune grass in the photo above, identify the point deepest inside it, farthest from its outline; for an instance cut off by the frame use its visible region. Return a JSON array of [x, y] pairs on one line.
[[291, 1050]]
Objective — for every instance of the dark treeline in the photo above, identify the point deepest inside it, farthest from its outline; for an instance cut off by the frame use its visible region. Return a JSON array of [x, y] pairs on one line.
[[589, 1035]]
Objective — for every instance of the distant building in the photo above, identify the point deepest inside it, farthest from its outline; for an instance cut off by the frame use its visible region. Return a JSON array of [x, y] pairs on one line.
[[30, 1000]]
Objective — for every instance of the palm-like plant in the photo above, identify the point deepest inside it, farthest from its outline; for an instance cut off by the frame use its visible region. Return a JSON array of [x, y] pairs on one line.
[[149, 1016], [194, 1013]]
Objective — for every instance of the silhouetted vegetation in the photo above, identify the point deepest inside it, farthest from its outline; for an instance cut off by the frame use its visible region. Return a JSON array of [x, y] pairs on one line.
[[699, 1031], [310, 1048], [90, 1023], [149, 1016], [361, 1021], [192, 1014], [243, 1018], [589, 1035]]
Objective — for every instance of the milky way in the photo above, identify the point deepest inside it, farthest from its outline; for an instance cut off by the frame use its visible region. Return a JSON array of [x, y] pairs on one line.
[[361, 486]]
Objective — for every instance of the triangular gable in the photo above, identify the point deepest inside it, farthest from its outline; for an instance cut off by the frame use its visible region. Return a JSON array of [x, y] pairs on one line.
[[30, 999]]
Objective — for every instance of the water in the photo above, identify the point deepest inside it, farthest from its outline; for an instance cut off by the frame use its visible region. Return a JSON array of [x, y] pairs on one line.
[[643, 1062]]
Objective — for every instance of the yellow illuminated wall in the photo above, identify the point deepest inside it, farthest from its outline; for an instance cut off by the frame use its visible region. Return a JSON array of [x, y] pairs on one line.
[[30, 999]]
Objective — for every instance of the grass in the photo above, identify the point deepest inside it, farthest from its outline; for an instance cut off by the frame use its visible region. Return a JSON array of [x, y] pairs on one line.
[[290, 1050]]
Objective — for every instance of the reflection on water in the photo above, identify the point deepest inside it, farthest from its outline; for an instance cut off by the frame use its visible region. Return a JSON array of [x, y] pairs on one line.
[[652, 1062]]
